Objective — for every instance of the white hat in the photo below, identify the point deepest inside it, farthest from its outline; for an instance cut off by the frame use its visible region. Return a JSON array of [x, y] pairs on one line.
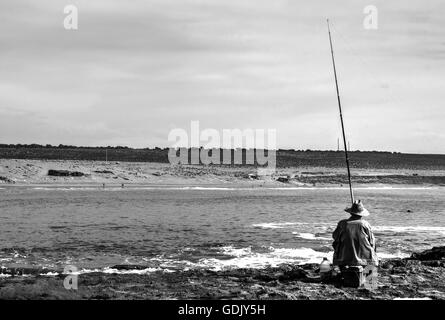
[[358, 209]]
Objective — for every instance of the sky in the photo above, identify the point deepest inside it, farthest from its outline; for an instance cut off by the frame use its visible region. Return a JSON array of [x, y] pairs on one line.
[[135, 70]]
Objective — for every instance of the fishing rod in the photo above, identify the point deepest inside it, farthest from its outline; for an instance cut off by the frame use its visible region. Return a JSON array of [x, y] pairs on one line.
[[341, 116]]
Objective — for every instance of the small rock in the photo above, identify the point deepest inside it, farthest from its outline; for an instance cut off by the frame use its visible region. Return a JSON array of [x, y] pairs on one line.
[[283, 179]]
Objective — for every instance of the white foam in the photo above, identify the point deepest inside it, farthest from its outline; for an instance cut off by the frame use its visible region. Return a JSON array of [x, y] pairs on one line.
[[276, 225], [282, 225], [213, 188], [386, 255], [409, 229], [273, 257], [246, 258], [401, 229], [310, 236], [49, 274], [134, 271], [109, 270], [66, 188], [5, 259], [423, 298], [204, 188], [347, 188], [398, 188]]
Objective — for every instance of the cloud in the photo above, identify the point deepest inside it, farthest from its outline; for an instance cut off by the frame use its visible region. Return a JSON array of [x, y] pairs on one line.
[[135, 70]]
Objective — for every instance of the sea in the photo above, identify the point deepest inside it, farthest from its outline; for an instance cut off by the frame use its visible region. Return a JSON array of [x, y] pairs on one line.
[[177, 228]]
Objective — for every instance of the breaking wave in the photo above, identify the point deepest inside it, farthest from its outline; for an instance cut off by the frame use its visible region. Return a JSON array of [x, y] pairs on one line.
[[130, 186], [282, 225], [404, 229], [310, 236], [271, 257]]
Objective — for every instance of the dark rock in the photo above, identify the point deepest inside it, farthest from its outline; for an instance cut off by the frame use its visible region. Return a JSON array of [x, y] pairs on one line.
[[104, 171], [283, 179], [129, 267], [295, 274], [433, 263], [393, 263], [6, 180], [65, 173], [20, 271], [436, 253]]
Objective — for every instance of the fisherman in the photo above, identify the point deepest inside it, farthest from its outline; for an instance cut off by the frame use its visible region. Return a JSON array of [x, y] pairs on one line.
[[354, 242]]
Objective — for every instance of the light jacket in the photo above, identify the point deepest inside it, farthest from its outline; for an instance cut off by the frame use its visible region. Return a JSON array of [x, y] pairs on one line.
[[354, 243]]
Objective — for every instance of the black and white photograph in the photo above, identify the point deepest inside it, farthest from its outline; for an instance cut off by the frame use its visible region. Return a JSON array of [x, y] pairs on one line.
[[222, 150]]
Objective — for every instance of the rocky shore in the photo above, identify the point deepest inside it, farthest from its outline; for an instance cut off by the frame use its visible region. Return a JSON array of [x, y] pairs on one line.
[[422, 276]]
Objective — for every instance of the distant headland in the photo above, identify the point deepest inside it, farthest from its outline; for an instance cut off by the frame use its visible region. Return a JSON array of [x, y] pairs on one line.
[[285, 157]]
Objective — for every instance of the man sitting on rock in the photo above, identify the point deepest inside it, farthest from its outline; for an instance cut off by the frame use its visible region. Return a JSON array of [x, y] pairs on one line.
[[354, 242]]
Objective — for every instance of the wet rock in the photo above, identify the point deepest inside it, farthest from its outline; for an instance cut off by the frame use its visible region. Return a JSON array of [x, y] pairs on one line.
[[20, 271], [434, 263], [283, 179], [436, 253], [129, 267], [397, 278]]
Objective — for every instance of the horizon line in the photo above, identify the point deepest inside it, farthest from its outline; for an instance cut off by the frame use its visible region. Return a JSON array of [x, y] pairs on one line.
[[66, 146]]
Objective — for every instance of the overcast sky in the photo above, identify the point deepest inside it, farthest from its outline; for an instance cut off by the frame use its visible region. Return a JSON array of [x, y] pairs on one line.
[[134, 70]]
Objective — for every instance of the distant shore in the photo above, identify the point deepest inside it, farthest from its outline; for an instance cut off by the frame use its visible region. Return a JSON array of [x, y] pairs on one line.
[[284, 157], [16, 172]]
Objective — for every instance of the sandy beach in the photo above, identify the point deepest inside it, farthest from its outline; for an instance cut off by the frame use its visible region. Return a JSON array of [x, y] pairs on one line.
[[83, 172]]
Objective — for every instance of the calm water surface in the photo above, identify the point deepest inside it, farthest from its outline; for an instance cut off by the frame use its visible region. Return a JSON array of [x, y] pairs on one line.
[[178, 228]]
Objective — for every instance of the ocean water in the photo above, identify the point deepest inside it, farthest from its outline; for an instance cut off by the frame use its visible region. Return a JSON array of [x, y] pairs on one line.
[[179, 228]]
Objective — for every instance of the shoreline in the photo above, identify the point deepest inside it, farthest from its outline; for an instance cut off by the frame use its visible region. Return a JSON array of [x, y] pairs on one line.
[[397, 279], [206, 187]]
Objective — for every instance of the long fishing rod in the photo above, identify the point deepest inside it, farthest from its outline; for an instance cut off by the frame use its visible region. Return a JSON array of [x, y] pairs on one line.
[[341, 116]]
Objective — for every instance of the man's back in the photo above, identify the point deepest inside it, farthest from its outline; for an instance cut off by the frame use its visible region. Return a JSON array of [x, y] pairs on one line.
[[354, 243]]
